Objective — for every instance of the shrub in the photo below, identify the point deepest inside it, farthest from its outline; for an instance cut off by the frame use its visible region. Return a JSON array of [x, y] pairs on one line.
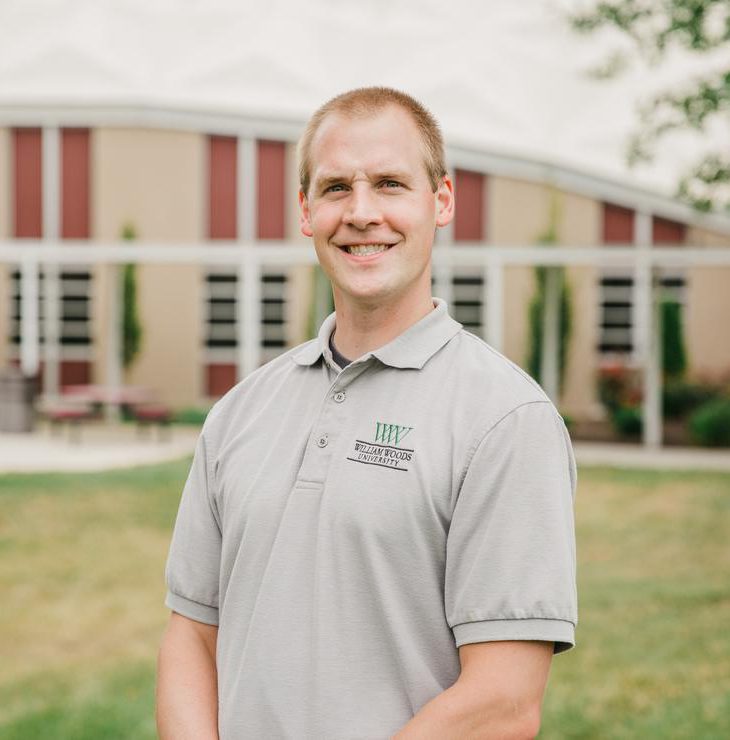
[[710, 424], [627, 421], [674, 355], [190, 415], [680, 398]]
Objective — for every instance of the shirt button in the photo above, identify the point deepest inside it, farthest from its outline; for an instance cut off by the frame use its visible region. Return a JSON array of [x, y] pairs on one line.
[[339, 396], [322, 441]]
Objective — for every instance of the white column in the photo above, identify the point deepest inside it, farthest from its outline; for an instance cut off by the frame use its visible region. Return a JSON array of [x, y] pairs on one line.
[[648, 312], [647, 332], [550, 351], [114, 336], [29, 339], [494, 320], [246, 206], [248, 287], [51, 200], [249, 316]]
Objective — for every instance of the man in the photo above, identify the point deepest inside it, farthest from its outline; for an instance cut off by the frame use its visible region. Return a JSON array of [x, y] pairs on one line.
[[380, 546]]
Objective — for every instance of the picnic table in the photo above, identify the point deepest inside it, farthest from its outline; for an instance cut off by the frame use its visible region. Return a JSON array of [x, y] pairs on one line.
[[78, 404]]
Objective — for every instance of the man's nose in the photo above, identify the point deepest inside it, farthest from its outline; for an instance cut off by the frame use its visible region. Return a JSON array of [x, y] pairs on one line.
[[363, 209]]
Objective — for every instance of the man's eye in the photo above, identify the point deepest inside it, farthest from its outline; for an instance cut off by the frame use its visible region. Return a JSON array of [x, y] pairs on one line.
[[390, 183], [334, 188]]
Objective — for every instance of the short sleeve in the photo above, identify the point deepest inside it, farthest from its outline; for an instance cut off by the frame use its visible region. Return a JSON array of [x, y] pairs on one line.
[[193, 564], [510, 555]]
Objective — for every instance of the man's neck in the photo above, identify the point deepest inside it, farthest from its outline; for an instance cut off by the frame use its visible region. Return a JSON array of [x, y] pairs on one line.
[[363, 328]]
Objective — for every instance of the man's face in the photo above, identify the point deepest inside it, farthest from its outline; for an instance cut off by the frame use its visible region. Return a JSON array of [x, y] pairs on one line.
[[370, 207]]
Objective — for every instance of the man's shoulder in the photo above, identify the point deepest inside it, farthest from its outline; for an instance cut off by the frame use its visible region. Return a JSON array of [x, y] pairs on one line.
[[484, 375], [255, 386]]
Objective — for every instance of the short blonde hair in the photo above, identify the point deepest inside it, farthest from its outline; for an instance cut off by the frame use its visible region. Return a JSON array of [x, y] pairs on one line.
[[367, 101]]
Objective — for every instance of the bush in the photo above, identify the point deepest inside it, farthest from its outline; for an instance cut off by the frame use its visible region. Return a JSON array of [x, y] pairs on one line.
[[191, 415], [680, 399], [627, 421], [710, 424]]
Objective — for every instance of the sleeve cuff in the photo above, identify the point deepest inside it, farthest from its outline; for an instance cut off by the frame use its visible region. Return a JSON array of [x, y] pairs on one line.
[[557, 631], [192, 609]]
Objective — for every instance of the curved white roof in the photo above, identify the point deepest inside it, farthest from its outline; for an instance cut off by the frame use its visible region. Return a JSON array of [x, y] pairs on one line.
[[504, 77]]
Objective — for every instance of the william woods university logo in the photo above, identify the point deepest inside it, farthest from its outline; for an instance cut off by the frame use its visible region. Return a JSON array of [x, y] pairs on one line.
[[386, 450]]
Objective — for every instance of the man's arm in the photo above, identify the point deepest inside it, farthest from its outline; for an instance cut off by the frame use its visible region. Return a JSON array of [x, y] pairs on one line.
[[187, 685], [497, 695]]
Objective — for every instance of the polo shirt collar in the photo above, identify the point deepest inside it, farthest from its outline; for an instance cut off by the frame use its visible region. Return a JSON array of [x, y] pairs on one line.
[[411, 349]]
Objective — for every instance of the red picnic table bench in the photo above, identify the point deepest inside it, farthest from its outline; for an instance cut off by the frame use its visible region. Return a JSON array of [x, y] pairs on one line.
[[81, 403]]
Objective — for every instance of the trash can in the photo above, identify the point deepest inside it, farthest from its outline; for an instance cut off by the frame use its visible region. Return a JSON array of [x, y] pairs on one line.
[[17, 398]]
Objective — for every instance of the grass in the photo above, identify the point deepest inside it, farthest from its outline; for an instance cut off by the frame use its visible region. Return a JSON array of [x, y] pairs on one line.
[[81, 566]]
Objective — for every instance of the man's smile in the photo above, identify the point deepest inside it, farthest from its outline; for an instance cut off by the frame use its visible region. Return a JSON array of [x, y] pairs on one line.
[[366, 249]]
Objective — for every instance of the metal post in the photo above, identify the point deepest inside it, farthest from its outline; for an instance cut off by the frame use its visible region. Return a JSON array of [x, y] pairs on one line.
[[248, 294], [648, 312], [29, 330], [249, 312], [51, 201], [494, 320], [114, 339], [647, 332], [549, 359]]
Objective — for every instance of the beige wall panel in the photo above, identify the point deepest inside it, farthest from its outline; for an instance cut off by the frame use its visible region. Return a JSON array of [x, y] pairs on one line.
[[580, 220], [702, 238], [708, 308], [580, 225], [170, 358], [157, 181], [519, 212], [579, 397], [519, 287], [154, 179], [707, 335]]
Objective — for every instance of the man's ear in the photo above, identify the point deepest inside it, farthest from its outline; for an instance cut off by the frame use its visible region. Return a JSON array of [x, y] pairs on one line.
[[304, 222], [445, 202]]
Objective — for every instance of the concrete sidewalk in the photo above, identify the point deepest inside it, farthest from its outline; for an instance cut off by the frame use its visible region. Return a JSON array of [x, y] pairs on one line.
[[107, 446], [100, 446], [666, 458]]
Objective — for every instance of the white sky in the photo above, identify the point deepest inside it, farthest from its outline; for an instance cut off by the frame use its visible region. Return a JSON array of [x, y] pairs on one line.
[[507, 76]]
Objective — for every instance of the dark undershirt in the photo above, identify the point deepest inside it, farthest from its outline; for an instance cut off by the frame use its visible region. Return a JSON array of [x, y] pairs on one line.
[[339, 359]]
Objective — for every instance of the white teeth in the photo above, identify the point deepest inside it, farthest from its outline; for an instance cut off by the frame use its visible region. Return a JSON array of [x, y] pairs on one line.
[[363, 249]]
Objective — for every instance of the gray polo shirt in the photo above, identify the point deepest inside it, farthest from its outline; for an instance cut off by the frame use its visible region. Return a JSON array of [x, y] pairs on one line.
[[347, 530]]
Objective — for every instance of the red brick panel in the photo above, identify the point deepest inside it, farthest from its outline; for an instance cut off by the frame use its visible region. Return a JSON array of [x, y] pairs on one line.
[[75, 372], [271, 180], [222, 187], [469, 217], [75, 183], [220, 378], [27, 190], [618, 224], [665, 231]]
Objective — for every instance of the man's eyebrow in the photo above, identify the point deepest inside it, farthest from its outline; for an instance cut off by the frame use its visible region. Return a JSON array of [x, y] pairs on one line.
[[324, 182]]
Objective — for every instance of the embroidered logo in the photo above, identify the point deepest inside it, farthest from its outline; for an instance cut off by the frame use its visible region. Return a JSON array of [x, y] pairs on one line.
[[385, 451]]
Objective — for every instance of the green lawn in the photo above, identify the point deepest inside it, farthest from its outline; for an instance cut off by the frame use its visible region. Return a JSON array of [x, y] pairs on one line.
[[81, 577]]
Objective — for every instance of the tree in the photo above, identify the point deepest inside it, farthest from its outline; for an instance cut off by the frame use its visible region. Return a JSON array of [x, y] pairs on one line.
[[657, 28], [131, 325], [536, 308]]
